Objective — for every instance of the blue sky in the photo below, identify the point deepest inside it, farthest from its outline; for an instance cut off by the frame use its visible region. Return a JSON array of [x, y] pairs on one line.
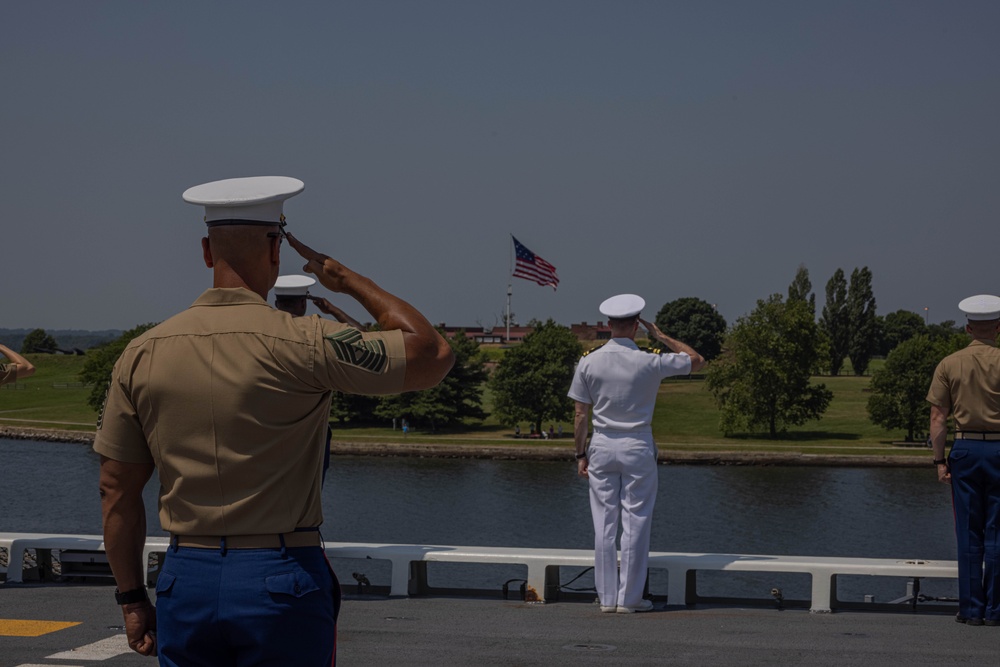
[[665, 148]]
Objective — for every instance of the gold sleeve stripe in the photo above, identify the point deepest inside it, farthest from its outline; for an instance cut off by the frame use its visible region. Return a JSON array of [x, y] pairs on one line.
[[352, 348]]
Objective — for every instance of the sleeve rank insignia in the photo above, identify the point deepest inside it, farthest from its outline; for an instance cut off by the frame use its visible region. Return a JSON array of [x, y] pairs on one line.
[[353, 349]]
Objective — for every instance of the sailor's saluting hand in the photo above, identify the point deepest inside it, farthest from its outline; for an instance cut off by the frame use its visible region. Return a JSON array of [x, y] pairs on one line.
[[328, 308], [653, 330]]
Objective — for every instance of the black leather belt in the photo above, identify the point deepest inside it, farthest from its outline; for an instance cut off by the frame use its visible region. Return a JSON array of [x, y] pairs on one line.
[[976, 435]]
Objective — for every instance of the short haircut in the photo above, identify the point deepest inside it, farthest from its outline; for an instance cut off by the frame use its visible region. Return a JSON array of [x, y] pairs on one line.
[[619, 322]]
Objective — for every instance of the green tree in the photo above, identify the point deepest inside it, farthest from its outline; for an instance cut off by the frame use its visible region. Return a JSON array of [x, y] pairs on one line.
[[801, 288], [835, 321], [861, 314], [38, 341], [762, 380], [900, 326], [101, 361], [457, 398], [899, 389], [694, 322], [944, 330], [353, 408], [531, 381]]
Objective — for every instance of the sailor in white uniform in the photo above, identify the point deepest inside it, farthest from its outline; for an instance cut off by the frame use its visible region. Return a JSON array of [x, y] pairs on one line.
[[619, 381]]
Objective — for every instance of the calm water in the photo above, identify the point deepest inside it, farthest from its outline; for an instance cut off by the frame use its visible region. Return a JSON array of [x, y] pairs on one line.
[[876, 512]]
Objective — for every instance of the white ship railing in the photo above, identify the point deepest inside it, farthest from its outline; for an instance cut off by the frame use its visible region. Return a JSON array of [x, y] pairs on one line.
[[408, 562]]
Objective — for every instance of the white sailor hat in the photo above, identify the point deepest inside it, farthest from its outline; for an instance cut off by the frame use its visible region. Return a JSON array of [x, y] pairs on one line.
[[981, 307], [293, 286], [244, 201], [622, 306]]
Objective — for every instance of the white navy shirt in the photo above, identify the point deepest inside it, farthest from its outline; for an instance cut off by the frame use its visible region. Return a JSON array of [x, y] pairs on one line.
[[621, 382]]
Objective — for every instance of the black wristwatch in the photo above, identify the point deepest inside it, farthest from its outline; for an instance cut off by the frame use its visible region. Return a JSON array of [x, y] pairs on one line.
[[940, 462], [132, 596], [581, 456]]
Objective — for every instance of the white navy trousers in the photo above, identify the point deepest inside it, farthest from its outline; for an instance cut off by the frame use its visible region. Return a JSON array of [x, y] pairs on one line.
[[623, 481]]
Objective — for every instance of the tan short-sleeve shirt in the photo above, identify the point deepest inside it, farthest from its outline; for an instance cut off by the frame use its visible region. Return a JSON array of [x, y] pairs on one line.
[[8, 373], [967, 384], [230, 400]]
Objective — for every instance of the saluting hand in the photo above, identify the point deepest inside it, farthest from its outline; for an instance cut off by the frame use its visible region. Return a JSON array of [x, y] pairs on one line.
[[325, 306], [328, 308], [652, 329], [329, 271]]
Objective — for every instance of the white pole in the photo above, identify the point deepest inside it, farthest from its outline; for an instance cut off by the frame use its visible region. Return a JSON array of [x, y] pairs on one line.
[[510, 273], [508, 312]]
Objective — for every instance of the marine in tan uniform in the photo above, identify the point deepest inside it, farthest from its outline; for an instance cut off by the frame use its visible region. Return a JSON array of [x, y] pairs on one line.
[[966, 386], [18, 368], [229, 401]]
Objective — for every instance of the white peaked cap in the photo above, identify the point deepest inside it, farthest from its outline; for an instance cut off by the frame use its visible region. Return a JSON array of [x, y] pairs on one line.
[[981, 307], [244, 201], [293, 285], [622, 306]]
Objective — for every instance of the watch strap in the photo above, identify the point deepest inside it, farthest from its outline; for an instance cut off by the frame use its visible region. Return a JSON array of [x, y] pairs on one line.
[[132, 596], [940, 462]]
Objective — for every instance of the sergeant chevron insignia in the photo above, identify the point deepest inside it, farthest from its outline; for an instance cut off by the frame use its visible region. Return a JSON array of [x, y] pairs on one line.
[[352, 348]]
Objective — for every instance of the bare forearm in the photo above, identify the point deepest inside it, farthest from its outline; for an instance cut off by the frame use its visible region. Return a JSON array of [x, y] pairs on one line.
[[389, 311], [428, 355], [581, 424], [24, 367], [677, 346], [124, 539], [124, 517], [938, 431]]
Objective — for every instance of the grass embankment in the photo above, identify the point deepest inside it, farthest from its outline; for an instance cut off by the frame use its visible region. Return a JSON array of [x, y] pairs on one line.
[[51, 398], [686, 421]]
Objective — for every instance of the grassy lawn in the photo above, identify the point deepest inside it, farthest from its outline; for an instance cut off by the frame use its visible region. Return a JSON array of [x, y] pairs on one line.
[[51, 398], [686, 418]]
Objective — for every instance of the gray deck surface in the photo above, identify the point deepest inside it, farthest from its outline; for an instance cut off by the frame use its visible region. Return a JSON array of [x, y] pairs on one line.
[[463, 631]]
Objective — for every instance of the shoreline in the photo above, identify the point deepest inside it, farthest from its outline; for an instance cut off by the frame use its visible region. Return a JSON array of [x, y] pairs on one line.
[[563, 452]]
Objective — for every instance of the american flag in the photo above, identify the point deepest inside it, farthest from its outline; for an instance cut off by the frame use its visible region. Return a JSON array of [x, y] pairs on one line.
[[532, 267]]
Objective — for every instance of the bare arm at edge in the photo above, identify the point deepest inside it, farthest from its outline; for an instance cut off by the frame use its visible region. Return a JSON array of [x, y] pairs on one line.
[[24, 367], [428, 355]]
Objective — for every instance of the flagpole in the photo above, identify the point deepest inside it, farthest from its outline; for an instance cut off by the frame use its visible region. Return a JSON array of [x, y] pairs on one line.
[[510, 271], [508, 312]]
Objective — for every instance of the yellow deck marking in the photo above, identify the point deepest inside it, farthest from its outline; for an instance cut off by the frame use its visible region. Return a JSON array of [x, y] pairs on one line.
[[15, 628]]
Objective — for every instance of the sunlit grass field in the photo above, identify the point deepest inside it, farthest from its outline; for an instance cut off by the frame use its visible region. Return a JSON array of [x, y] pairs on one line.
[[51, 398], [686, 419]]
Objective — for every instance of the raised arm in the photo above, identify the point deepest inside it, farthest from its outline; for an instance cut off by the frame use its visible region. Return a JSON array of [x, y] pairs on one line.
[[24, 367], [428, 355], [674, 345], [328, 308]]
